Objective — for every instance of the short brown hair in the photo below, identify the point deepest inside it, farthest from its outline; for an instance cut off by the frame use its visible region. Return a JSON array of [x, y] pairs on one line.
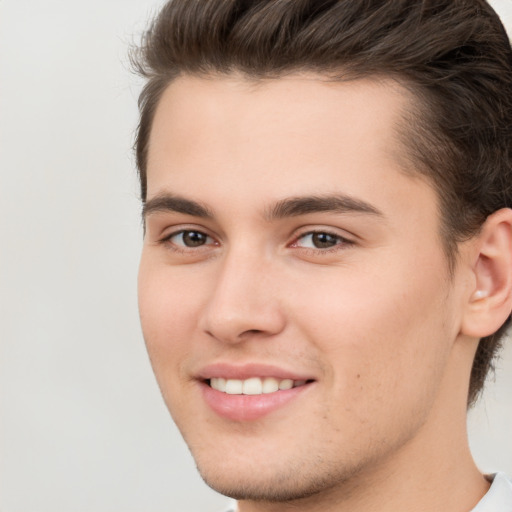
[[454, 55]]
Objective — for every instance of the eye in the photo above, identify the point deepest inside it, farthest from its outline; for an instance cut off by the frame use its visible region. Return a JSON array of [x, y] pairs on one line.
[[189, 239], [320, 240]]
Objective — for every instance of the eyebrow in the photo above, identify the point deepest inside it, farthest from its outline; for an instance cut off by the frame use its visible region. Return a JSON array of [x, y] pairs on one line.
[[173, 203], [337, 203], [290, 207]]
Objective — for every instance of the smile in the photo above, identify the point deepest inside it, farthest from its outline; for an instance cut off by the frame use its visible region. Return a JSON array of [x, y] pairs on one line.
[[251, 391], [253, 385]]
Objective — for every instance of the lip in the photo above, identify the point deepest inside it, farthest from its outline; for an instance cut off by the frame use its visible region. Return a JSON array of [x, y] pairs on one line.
[[245, 408], [249, 407], [246, 371]]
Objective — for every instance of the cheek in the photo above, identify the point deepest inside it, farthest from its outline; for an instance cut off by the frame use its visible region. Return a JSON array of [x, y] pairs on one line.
[[167, 309], [168, 295], [385, 336]]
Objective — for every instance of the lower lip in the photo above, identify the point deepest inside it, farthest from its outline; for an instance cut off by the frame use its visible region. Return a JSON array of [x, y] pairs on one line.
[[249, 407]]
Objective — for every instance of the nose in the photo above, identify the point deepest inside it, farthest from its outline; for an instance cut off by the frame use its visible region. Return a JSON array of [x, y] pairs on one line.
[[244, 301]]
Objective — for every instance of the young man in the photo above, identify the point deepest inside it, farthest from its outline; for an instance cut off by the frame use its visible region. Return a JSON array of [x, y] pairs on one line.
[[327, 265]]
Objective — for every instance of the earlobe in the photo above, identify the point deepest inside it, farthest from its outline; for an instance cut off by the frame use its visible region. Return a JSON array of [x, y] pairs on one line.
[[490, 303]]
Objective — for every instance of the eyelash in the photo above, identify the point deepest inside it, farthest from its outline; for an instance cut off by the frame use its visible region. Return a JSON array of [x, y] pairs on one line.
[[341, 242]]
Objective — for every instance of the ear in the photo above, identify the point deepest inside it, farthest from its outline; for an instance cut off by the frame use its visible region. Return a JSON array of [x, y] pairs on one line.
[[490, 302]]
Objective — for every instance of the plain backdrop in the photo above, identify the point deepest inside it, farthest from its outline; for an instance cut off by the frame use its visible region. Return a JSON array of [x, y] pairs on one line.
[[82, 424]]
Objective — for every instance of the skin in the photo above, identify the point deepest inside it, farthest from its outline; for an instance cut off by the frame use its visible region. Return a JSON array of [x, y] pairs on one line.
[[375, 319]]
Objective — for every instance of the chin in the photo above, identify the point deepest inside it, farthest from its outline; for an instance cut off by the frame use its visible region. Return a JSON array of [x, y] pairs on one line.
[[279, 489], [289, 482]]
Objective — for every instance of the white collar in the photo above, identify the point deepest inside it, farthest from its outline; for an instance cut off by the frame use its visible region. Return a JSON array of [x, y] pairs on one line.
[[498, 497]]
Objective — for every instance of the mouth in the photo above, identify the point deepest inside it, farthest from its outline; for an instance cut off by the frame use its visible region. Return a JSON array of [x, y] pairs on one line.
[[253, 391], [254, 385]]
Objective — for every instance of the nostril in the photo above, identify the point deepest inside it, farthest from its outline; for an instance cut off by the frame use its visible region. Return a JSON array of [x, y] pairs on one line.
[[251, 332]]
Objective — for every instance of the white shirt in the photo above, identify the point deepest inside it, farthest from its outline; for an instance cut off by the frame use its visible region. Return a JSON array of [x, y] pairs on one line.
[[497, 499], [499, 496]]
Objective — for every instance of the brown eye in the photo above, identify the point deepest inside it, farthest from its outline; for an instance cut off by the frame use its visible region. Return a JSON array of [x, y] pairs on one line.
[[194, 238], [324, 240], [190, 239], [319, 240]]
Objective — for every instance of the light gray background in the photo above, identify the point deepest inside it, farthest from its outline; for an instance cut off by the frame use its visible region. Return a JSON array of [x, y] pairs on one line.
[[82, 424]]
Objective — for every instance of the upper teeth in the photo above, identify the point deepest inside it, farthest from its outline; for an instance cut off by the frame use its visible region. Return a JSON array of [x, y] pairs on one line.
[[253, 386]]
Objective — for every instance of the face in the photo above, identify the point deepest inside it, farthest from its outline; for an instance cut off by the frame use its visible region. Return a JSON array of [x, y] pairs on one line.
[[294, 293]]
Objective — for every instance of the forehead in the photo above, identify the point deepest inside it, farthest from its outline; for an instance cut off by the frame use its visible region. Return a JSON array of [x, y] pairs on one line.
[[194, 108], [302, 133]]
